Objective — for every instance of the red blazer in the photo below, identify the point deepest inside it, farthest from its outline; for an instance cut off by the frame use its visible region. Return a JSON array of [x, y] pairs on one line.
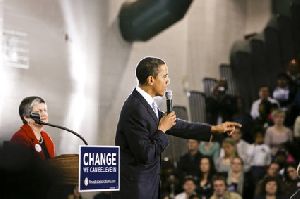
[[26, 137]]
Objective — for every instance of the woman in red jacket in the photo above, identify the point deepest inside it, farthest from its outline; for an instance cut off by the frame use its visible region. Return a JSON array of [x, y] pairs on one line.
[[31, 135]]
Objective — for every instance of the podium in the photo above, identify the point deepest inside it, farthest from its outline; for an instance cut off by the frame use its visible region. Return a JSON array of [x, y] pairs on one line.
[[67, 166]]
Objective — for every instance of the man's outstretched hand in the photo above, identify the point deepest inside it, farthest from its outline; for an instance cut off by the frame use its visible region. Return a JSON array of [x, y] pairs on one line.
[[226, 127]]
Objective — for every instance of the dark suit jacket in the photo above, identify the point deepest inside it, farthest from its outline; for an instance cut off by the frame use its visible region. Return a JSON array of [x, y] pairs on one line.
[[141, 144]]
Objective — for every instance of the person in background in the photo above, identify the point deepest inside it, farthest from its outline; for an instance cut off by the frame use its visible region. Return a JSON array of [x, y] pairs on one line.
[[188, 164], [260, 155], [297, 128], [270, 189], [220, 189], [264, 95], [271, 171], [230, 151], [220, 106], [243, 117], [243, 148], [207, 171], [189, 188], [211, 149], [282, 92], [277, 134], [291, 179], [239, 181], [32, 135], [293, 72], [265, 117]]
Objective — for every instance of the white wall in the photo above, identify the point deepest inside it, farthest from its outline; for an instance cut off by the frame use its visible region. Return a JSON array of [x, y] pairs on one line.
[[86, 78]]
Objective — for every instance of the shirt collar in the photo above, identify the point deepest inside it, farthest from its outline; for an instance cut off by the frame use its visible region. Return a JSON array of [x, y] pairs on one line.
[[145, 95]]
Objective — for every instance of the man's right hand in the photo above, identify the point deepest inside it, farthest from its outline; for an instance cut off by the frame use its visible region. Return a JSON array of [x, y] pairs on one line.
[[167, 121]]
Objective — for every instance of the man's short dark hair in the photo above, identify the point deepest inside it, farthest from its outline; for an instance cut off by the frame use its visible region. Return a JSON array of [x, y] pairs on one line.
[[25, 108], [189, 178], [219, 177], [148, 67]]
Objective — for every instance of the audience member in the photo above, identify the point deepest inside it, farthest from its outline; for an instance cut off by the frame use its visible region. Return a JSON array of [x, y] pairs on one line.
[[242, 148], [211, 149], [220, 106], [291, 179], [272, 171], [230, 151], [270, 189], [189, 187], [297, 127], [245, 119], [282, 92], [188, 164], [277, 134], [220, 189], [264, 95], [293, 72], [239, 181], [207, 170], [260, 156]]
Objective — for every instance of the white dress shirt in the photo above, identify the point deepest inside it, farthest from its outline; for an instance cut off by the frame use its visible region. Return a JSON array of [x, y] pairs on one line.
[[149, 99]]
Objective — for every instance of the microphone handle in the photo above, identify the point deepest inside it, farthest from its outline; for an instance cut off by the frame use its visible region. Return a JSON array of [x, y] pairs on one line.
[[66, 129], [169, 106]]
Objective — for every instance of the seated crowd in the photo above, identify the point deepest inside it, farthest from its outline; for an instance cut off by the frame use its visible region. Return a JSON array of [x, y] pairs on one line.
[[258, 161]]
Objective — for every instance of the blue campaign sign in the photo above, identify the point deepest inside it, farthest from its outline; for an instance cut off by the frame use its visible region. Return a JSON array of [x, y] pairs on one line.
[[99, 168]]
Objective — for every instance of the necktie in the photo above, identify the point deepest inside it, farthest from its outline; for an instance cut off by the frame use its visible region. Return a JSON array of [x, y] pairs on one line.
[[155, 108]]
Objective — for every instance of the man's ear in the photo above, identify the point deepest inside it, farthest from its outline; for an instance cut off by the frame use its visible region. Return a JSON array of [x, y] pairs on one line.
[[150, 80]]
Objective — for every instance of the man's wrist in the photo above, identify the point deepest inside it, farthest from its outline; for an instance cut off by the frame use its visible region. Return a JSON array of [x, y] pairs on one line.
[[163, 131], [213, 129]]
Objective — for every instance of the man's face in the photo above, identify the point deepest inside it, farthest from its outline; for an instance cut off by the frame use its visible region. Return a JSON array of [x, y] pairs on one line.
[[192, 145], [189, 186], [161, 81], [264, 93], [237, 134], [219, 187], [273, 169], [292, 172]]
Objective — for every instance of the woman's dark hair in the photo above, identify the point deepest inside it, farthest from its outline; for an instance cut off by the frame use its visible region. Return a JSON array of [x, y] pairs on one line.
[[212, 168], [25, 108], [148, 67], [270, 179]]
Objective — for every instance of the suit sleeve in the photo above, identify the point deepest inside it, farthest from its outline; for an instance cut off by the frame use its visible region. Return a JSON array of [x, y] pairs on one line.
[[146, 146], [187, 130]]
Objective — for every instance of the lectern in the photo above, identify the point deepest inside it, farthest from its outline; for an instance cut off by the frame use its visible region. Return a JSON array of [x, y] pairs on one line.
[[67, 166]]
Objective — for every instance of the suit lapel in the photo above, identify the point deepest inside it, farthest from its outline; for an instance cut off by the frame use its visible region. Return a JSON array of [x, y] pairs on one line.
[[145, 103]]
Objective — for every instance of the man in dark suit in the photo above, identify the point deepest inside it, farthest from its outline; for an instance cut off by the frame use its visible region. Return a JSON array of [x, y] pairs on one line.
[[142, 129]]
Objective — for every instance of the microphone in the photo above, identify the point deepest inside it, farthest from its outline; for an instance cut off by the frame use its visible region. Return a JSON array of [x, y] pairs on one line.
[[168, 95], [36, 117]]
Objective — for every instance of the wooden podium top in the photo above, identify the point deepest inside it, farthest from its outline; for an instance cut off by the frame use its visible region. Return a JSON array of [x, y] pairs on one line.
[[67, 166]]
